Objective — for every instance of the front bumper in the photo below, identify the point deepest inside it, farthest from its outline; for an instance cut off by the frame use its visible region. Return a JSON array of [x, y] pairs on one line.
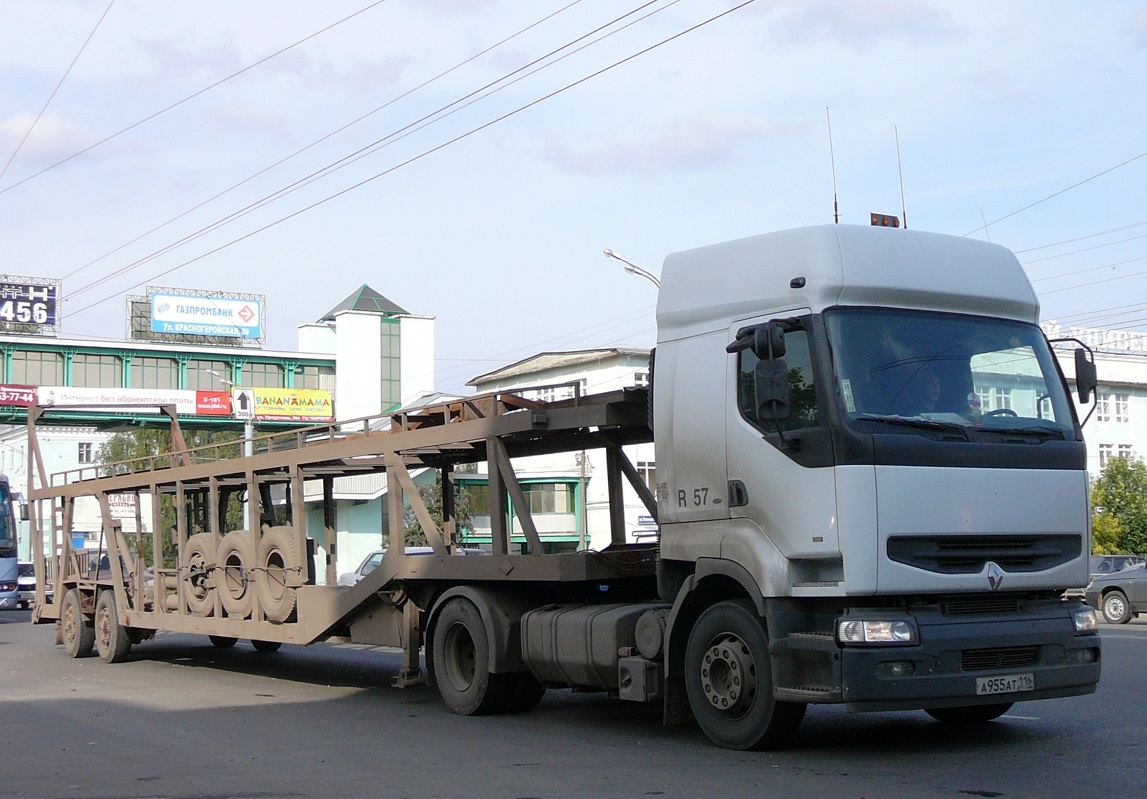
[[1039, 639]]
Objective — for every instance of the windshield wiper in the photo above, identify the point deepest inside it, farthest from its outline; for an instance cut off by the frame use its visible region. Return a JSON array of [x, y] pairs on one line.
[[1042, 432], [917, 422]]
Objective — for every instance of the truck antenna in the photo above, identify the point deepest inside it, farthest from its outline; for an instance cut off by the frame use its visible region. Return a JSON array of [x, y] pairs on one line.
[[832, 160], [899, 169]]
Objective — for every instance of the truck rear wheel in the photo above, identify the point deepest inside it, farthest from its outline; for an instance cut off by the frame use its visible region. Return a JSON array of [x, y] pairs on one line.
[[462, 663], [266, 647], [113, 641], [973, 714], [729, 680], [78, 633]]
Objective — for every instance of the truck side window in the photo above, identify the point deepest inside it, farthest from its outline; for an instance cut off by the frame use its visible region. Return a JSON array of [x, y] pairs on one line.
[[802, 389]]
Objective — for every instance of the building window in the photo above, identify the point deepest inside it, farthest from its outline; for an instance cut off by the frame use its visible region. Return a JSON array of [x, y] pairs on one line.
[[315, 377], [994, 399], [479, 494], [149, 372], [549, 497], [641, 379], [1103, 408], [200, 377], [262, 375], [1122, 404], [92, 370], [84, 452], [1106, 453], [1124, 451], [648, 472], [38, 368], [390, 388]]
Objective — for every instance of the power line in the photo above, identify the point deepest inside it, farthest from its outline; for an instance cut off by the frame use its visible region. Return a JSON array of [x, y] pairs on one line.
[[51, 96], [421, 155], [1056, 194], [1080, 238], [1090, 269], [205, 89], [371, 148]]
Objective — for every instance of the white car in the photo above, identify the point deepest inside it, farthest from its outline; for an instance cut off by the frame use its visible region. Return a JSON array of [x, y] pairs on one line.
[[26, 585], [371, 562]]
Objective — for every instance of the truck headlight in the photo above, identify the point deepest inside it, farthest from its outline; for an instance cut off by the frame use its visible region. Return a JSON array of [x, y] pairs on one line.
[[1086, 620], [875, 631]]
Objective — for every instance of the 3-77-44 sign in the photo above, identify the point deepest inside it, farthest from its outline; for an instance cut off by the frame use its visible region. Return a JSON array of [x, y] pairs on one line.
[[27, 303]]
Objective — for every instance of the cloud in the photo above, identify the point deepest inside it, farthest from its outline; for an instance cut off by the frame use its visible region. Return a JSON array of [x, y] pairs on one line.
[[862, 24], [692, 143], [54, 137]]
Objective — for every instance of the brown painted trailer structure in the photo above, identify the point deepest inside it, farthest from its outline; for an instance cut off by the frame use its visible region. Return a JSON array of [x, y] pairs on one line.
[[259, 583]]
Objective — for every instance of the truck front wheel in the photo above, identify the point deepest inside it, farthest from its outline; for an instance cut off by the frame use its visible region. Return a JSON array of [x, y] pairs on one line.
[[462, 662], [729, 680]]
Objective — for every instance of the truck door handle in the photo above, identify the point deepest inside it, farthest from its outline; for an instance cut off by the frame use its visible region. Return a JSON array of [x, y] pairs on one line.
[[738, 494]]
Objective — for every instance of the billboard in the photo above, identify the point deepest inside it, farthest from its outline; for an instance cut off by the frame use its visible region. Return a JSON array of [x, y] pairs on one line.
[[28, 304], [286, 404], [19, 396], [201, 315]]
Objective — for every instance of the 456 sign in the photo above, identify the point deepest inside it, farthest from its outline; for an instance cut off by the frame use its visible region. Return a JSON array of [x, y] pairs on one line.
[[27, 303]]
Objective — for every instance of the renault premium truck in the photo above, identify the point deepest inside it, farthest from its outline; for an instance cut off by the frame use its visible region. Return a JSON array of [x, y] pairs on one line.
[[871, 491]]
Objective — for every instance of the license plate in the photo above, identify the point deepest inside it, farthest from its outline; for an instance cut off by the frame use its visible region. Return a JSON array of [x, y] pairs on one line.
[[1006, 684]]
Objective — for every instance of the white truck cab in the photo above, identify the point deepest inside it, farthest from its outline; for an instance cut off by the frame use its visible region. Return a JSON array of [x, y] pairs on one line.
[[865, 430]]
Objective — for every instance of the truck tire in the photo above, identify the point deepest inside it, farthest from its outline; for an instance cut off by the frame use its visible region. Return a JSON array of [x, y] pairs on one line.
[[462, 663], [78, 633], [1116, 608], [729, 680], [266, 647], [277, 560], [235, 563], [973, 714], [198, 563], [222, 641], [113, 641]]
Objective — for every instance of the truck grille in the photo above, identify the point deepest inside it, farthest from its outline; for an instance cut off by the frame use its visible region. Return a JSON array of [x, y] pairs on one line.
[[964, 554], [1010, 658], [977, 605]]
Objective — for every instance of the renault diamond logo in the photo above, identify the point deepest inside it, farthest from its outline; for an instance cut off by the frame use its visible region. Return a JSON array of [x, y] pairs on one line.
[[995, 576]]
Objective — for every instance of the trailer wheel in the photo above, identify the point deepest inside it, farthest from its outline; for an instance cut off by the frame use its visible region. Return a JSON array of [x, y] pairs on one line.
[[198, 561], [277, 559], [113, 641], [222, 641], [462, 663], [729, 680], [973, 714], [266, 647], [79, 634], [236, 559], [1116, 608]]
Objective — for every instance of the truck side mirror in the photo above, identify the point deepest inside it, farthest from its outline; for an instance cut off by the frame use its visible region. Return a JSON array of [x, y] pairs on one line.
[[1086, 379], [769, 341], [771, 383]]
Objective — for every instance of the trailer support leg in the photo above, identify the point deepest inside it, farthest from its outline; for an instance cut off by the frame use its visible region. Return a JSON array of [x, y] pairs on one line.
[[411, 672]]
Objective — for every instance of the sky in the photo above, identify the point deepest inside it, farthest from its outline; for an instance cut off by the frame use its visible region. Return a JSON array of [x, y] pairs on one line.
[[471, 159]]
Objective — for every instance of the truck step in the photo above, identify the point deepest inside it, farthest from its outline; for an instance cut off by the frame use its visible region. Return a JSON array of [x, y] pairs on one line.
[[817, 641], [807, 693]]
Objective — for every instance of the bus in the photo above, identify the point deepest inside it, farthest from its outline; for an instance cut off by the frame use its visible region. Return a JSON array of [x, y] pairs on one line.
[[9, 563]]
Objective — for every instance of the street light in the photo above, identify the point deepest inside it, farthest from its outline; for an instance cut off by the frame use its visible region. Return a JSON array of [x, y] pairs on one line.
[[248, 437], [633, 268], [248, 423]]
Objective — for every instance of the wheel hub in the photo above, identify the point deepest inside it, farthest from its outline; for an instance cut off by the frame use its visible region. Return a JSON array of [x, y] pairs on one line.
[[729, 675]]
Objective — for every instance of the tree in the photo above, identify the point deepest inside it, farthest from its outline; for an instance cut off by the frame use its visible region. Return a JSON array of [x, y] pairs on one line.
[[136, 449], [431, 495], [1119, 508]]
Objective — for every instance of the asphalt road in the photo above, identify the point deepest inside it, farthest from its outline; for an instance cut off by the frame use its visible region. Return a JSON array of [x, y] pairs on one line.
[[182, 719]]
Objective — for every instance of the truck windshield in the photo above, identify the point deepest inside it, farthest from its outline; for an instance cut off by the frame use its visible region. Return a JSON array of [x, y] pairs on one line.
[[7, 522], [921, 371]]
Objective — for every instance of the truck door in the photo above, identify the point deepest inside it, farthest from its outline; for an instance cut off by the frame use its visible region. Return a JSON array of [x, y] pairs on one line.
[[780, 458]]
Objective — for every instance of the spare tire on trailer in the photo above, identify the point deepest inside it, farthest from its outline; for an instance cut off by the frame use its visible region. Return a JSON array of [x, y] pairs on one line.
[[195, 574], [235, 564], [277, 574]]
